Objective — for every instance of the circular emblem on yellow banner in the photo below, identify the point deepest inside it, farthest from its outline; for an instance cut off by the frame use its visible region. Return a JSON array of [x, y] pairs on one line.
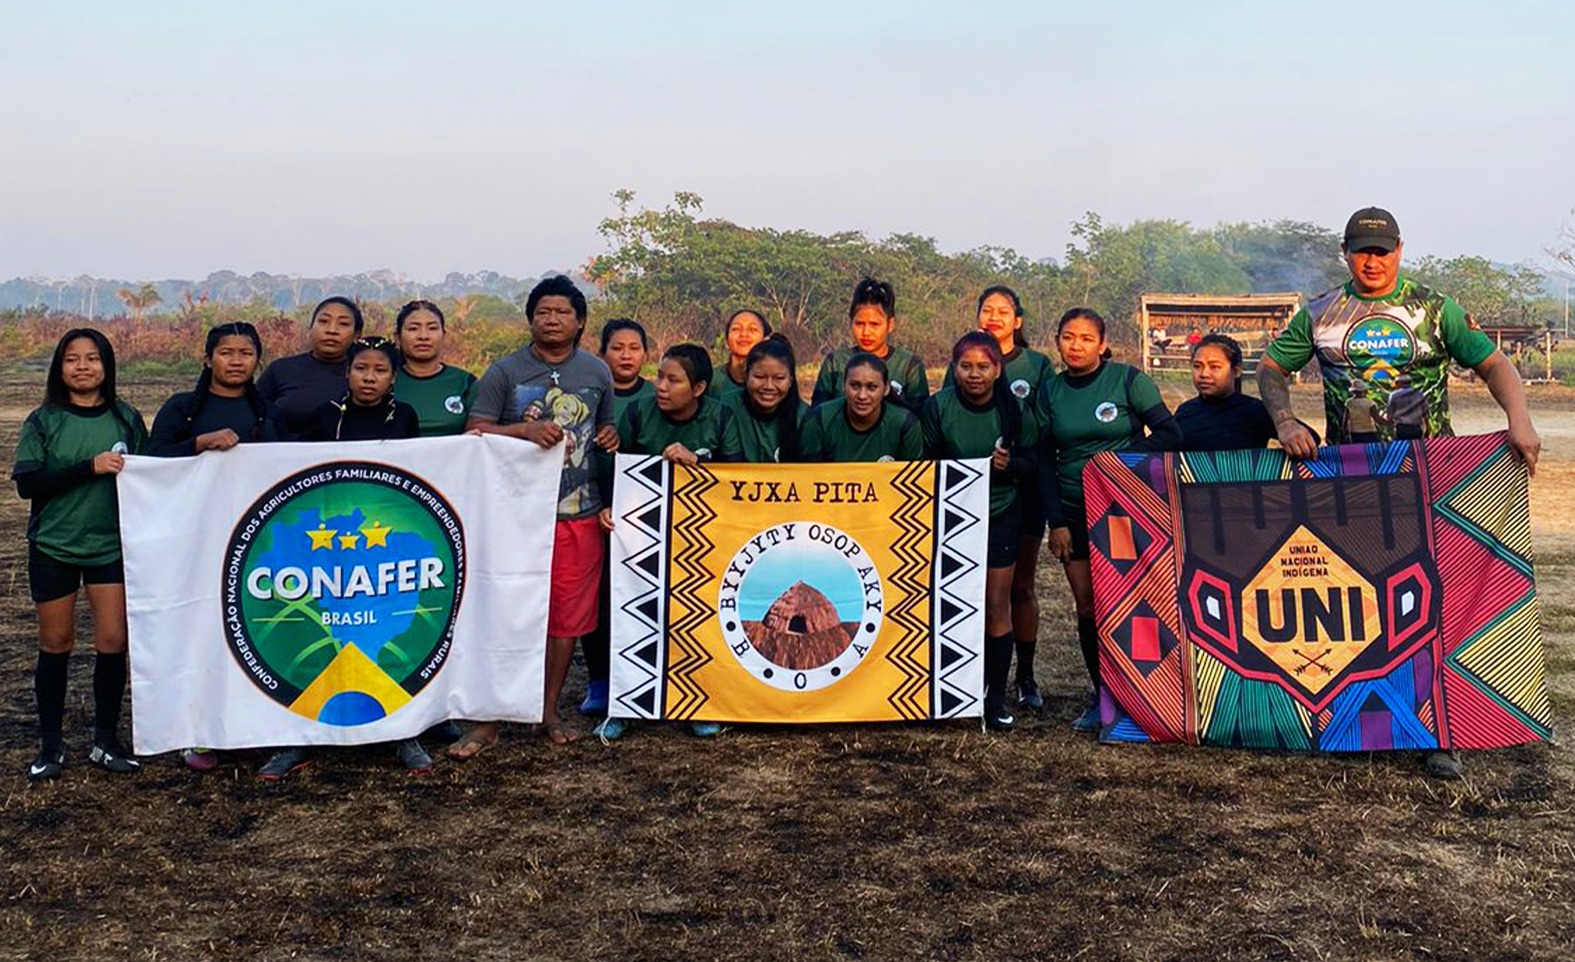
[[806, 609]]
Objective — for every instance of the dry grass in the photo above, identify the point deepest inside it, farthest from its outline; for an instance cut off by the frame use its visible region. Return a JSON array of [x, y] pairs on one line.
[[827, 843]]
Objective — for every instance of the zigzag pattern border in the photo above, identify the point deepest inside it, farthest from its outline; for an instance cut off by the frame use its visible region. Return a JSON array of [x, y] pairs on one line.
[[633, 590], [918, 499], [688, 653], [965, 543]]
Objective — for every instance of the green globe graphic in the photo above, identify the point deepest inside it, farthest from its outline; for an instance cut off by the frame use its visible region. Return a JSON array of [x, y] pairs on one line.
[[341, 587]]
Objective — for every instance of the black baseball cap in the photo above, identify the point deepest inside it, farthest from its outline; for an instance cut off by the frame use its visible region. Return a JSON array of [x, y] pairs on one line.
[[1372, 227]]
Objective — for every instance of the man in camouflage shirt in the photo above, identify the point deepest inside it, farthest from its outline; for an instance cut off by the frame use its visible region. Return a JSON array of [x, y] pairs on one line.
[[1384, 327]]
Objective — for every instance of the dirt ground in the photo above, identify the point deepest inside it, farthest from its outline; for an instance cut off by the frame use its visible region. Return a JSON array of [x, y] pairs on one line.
[[929, 842]]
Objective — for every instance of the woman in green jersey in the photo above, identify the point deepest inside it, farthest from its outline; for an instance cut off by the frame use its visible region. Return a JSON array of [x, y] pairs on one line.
[[979, 418], [440, 393], [744, 329], [685, 426], [862, 425], [1094, 405], [1025, 372], [872, 315], [769, 410], [624, 348], [71, 448]]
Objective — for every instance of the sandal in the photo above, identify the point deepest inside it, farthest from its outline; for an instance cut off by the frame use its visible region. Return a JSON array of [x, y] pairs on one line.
[[476, 741]]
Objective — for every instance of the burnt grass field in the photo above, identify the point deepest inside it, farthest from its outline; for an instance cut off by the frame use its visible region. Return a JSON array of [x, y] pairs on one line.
[[876, 842]]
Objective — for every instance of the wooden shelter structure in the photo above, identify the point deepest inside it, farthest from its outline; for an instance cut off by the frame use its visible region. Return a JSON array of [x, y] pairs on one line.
[[1167, 324]]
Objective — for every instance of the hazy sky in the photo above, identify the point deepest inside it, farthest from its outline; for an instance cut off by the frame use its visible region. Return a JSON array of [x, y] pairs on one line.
[[164, 139]]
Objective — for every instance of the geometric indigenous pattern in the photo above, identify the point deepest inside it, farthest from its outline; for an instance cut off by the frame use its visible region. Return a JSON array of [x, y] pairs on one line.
[[1378, 597], [798, 593]]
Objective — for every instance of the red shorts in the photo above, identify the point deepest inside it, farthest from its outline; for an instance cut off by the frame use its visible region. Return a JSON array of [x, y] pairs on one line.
[[577, 551]]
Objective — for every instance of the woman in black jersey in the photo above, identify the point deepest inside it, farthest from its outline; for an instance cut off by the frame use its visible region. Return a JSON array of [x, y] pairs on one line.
[[71, 448], [225, 408], [979, 418], [298, 384], [368, 413], [863, 425], [769, 410], [1221, 418]]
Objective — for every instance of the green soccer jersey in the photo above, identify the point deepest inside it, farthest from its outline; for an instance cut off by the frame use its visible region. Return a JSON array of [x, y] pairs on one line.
[[1024, 374], [722, 385], [75, 514], [710, 434], [759, 439], [1085, 414], [953, 428], [1413, 330], [827, 435], [442, 400], [625, 396], [909, 384]]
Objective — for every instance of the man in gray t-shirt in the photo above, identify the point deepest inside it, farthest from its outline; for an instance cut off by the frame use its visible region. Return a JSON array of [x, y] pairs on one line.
[[549, 392], [575, 394]]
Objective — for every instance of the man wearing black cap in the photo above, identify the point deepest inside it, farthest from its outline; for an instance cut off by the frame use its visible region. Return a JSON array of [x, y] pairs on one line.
[[1380, 327]]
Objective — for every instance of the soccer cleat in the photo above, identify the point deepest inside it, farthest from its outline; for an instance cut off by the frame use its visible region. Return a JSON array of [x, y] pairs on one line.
[[413, 756], [705, 729], [595, 703], [46, 767], [1088, 721], [1028, 697], [111, 756], [282, 763], [200, 759], [999, 721], [1445, 765], [610, 730]]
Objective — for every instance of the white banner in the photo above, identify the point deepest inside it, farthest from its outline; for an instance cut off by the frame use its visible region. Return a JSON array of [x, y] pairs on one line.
[[349, 593]]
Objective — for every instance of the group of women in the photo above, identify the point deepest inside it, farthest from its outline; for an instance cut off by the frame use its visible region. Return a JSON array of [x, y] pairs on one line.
[[1001, 400]]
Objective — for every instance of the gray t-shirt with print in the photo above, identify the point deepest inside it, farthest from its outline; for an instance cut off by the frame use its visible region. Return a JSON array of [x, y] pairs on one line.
[[577, 395]]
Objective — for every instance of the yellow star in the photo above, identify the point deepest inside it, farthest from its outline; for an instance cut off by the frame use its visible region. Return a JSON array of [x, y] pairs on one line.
[[322, 538], [376, 535], [347, 542]]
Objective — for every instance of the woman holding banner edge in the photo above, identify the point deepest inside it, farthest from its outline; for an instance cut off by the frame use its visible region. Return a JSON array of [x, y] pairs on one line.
[[1094, 405]]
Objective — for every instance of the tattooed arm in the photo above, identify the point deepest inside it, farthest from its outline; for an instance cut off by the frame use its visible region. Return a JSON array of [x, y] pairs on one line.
[[1276, 393]]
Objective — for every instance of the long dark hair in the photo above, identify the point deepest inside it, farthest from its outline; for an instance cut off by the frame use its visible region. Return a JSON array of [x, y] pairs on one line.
[[204, 388], [624, 324], [1225, 343], [56, 393], [1018, 338], [1007, 410], [776, 346]]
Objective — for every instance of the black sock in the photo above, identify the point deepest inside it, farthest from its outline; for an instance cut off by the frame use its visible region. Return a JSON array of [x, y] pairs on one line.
[[109, 689], [49, 687], [1025, 659], [1088, 640], [997, 664]]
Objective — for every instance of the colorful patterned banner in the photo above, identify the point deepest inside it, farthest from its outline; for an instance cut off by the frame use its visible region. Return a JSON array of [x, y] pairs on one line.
[[798, 593], [1380, 597]]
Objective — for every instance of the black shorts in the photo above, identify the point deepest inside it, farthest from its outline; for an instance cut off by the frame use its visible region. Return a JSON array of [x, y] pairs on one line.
[[1004, 538], [1079, 541], [1033, 526], [49, 578]]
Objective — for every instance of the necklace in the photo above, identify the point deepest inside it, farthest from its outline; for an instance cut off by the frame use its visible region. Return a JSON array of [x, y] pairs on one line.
[[552, 369]]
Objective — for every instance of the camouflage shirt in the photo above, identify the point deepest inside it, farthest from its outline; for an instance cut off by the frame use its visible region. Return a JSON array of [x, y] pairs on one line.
[[1413, 330]]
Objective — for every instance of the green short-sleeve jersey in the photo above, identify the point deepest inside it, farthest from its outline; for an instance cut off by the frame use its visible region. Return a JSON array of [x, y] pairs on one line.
[[1024, 374], [1413, 330], [759, 439], [79, 525], [1089, 413], [827, 435], [442, 400], [710, 434], [910, 385], [954, 428], [625, 396], [722, 385]]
